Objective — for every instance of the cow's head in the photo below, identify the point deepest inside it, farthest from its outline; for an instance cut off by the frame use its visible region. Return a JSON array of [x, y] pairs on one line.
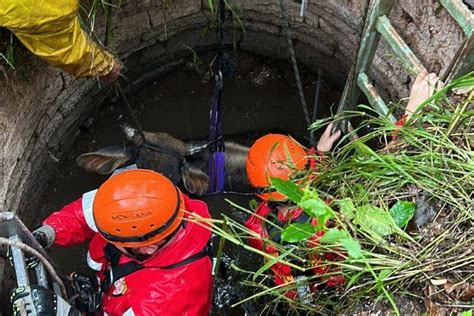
[[156, 151]]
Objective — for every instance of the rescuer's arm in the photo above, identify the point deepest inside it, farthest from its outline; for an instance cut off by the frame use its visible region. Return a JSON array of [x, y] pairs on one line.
[[52, 31], [65, 45], [67, 226]]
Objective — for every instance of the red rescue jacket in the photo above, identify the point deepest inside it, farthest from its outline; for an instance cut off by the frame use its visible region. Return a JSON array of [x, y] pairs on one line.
[[282, 273], [184, 290]]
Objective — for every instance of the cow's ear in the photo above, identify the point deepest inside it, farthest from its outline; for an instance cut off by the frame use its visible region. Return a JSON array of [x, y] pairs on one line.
[[106, 160], [195, 181]]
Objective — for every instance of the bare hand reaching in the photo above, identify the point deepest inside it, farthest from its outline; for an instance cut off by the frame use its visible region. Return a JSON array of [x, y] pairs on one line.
[[114, 73], [422, 89], [328, 139]]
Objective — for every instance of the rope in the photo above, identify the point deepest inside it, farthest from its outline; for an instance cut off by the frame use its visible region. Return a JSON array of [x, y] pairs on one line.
[[316, 95], [130, 111], [37, 254], [316, 99], [159, 149], [286, 27]]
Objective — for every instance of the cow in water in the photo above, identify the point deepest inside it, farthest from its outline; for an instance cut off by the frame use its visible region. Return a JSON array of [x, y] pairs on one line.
[[183, 162]]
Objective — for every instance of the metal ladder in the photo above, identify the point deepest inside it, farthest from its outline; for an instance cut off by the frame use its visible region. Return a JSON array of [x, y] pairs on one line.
[[377, 23]]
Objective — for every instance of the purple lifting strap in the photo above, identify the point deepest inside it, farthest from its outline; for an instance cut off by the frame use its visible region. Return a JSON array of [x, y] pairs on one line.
[[216, 161]]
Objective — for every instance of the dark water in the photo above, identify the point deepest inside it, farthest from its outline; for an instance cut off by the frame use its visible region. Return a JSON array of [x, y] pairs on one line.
[[257, 101]]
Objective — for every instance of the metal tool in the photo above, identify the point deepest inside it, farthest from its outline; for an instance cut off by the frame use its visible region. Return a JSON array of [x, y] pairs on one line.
[[13, 230]]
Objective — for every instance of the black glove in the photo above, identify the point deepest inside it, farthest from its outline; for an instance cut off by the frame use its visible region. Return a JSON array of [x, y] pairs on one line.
[[45, 235], [41, 238], [36, 300]]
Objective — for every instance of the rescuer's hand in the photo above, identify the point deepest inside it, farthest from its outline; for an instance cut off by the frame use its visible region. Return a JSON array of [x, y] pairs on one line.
[[114, 74], [36, 300], [328, 139], [45, 235], [422, 89]]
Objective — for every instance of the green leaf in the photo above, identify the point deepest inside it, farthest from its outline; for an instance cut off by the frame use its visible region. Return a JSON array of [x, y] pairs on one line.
[[271, 262], [310, 193], [315, 207], [360, 192], [253, 204], [288, 188], [402, 212], [346, 207], [354, 279], [211, 6], [375, 220], [333, 235], [466, 313], [352, 247], [384, 274], [297, 232]]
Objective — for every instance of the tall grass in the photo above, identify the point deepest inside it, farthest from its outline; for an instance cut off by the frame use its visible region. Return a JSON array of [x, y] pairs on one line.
[[236, 14], [381, 197], [7, 49], [91, 10]]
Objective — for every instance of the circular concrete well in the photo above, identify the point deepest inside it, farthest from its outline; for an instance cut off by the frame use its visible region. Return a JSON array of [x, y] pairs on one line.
[[42, 109]]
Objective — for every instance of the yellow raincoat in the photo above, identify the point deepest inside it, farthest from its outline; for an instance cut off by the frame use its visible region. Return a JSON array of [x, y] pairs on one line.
[[51, 30]]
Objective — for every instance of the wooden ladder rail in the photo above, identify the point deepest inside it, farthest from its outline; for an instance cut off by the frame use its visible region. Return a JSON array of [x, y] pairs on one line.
[[378, 24]]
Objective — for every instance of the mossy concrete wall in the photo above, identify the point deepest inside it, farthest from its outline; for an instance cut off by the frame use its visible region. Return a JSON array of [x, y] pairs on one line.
[[41, 108]]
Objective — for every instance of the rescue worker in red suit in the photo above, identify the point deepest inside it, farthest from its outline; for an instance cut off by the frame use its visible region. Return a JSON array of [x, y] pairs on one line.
[[271, 157], [149, 257]]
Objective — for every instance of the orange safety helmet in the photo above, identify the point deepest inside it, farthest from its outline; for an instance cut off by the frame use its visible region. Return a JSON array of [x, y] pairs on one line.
[[137, 208], [276, 156]]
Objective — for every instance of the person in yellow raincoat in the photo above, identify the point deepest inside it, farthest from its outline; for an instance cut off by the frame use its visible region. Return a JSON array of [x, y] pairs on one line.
[[51, 30]]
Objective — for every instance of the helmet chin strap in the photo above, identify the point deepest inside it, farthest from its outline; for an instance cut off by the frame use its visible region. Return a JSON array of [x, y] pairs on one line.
[[143, 257], [138, 257]]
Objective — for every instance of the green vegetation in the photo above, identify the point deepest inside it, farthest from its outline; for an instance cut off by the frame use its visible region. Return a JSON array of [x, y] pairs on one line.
[[400, 211], [91, 10], [232, 7], [236, 14], [7, 49]]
